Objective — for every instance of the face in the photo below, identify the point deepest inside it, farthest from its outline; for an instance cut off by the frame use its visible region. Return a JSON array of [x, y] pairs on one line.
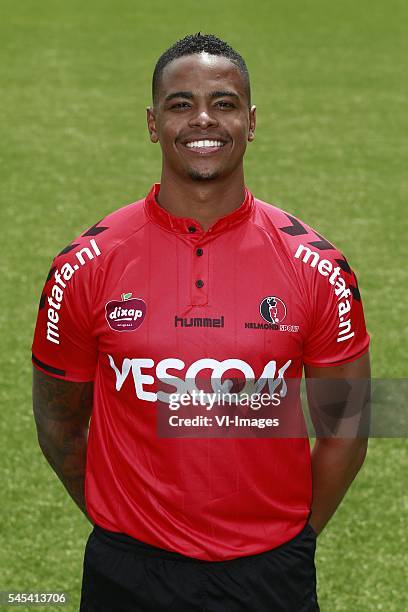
[[201, 117]]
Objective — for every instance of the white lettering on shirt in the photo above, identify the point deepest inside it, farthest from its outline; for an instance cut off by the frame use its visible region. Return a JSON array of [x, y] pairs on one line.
[[325, 268], [188, 383], [57, 290]]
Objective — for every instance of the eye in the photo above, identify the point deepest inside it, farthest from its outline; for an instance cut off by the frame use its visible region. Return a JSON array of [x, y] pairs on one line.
[[225, 104], [180, 105]]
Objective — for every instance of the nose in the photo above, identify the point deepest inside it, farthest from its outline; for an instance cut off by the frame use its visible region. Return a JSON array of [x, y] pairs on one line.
[[203, 119]]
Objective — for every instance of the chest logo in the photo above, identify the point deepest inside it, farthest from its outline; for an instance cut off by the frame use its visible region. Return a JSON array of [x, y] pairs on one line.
[[127, 314], [272, 309]]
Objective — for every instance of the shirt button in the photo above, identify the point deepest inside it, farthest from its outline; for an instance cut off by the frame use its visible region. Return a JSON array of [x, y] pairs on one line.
[[199, 252], [192, 229], [199, 284]]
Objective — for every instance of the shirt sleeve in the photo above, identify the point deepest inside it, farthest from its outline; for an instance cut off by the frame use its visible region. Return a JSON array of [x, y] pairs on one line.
[[64, 345], [337, 332]]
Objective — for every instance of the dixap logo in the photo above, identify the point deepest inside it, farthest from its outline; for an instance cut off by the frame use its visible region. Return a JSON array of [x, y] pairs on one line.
[[145, 373], [125, 315]]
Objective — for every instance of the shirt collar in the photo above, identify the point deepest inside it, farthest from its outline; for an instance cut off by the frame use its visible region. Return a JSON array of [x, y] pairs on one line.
[[185, 225]]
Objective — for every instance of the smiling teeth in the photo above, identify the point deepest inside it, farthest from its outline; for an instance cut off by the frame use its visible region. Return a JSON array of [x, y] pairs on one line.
[[204, 143]]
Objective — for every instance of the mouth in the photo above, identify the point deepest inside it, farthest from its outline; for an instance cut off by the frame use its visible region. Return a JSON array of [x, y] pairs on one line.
[[204, 146]]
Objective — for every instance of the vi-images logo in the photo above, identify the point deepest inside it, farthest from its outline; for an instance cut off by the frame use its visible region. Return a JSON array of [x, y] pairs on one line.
[[125, 315]]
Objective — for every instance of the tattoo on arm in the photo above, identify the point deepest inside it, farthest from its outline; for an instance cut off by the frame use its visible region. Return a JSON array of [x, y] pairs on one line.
[[62, 410]]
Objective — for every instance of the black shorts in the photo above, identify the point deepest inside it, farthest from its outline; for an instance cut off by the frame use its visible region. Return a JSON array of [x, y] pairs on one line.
[[124, 575]]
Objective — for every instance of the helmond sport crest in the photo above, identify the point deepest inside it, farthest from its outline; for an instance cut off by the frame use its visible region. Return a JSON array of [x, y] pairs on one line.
[[273, 309]]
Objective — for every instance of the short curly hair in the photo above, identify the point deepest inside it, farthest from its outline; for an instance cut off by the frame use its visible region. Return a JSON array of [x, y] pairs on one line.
[[197, 43]]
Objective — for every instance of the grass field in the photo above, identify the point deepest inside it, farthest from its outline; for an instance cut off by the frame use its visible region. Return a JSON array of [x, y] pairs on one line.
[[330, 83]]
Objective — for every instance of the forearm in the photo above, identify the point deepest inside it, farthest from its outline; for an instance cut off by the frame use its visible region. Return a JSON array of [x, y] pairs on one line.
[[335, 463], [65, 451]]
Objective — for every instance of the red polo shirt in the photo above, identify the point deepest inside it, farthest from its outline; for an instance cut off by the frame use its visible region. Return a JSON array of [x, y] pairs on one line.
[[145, 304]]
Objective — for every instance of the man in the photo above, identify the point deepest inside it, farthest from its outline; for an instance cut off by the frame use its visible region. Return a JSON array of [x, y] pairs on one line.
[[199, 282]]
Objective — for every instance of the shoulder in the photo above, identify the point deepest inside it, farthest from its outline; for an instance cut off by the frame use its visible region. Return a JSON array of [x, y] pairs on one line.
[[291, 230], [320, 267], [93, 245], [310, 251]]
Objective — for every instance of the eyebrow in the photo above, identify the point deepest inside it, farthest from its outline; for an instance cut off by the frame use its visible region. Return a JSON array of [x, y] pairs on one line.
[[189, 96], [179, 94], [223, 94]]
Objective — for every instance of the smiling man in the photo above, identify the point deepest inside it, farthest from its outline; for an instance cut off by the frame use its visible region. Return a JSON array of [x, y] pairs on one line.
[[197, 285], [203, 130]]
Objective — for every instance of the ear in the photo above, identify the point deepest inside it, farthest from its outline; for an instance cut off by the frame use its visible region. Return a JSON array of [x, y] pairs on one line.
[[252, 123], [151, 124]]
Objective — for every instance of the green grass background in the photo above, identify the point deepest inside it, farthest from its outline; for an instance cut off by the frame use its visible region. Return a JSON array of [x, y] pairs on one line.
[[330, 83]]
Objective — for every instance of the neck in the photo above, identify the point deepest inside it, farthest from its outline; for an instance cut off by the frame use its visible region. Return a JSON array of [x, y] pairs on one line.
[[203, 201]]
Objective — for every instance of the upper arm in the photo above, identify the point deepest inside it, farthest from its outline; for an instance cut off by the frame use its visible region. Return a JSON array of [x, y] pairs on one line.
[[359, 368], [339, 398], [59, 402]]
